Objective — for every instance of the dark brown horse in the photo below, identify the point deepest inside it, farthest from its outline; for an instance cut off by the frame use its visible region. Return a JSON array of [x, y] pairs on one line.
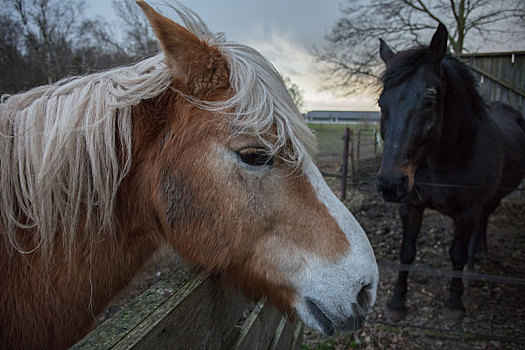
[[445, 149], [201, 148]]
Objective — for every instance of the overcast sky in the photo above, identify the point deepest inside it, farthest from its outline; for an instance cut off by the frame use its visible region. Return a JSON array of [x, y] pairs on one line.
[[282, 30]]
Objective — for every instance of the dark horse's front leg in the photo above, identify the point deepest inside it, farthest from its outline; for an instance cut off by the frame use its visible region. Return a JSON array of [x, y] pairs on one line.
[[464, 224], [411, 217], [478, 241]]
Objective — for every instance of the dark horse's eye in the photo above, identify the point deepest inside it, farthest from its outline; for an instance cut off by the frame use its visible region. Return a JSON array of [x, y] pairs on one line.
[[430, 98], [429, 102], [255, 156]]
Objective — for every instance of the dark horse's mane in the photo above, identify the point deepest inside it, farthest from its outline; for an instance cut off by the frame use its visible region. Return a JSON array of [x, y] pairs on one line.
[[464, 105]]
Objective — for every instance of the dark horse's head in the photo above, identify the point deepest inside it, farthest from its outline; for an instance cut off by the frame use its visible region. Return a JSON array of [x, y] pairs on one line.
[[411, 113]]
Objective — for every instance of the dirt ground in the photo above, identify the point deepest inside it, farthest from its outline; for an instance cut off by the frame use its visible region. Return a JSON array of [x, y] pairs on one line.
[[495, 315]]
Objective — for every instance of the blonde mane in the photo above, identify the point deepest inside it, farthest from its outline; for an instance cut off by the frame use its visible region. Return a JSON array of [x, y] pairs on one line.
[[60, 166]]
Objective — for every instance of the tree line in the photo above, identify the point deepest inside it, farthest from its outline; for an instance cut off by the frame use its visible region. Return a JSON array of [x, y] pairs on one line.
[[46, 40]]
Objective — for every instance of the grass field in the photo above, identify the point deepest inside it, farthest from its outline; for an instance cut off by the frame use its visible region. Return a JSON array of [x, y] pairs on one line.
[[330, 138]]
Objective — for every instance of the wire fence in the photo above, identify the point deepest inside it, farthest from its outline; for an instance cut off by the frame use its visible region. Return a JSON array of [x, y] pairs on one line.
[[364, 142], [444, 333], [439, 272]]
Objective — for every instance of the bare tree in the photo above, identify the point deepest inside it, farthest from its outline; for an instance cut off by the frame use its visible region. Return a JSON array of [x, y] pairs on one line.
[[351, 52], [46, 40], [130, 38], [12, 63], [138, 37], [48, 29]]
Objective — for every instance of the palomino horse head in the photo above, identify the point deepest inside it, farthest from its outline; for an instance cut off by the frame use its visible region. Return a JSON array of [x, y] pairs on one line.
[[236, 191], [411, 113], [200, 147]]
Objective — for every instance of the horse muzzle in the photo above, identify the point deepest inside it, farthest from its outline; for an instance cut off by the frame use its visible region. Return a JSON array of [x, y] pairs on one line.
[[393, 188], [338, 298]]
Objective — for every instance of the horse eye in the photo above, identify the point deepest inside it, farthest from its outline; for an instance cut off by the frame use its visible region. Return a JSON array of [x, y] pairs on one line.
[[429, 102], [430, 98], [255, 156]]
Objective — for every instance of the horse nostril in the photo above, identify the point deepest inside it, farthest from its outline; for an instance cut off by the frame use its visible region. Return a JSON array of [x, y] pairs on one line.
[[383, 185], [402, 185], [388, 187], [323, 320], [363, 300], [393, 188]]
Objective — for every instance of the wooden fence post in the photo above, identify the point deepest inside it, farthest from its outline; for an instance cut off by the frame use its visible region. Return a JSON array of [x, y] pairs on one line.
[[375, 142], [358, 146], [352, 150], [346, 139]]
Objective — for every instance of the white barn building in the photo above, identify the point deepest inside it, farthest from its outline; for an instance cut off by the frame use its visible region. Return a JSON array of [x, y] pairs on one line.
[[342, 116]]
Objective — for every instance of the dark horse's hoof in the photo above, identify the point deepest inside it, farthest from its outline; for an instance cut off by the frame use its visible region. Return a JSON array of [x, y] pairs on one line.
[[395, 309], [453, 315], [394, 315]]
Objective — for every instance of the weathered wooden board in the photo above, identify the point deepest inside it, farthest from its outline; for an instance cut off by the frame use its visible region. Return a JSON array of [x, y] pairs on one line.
[[298, 336], [284, 335], [259, 329], [197, 315], [109, 333], [501, 77]]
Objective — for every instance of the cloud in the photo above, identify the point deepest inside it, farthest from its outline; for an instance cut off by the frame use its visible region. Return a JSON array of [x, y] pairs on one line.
[[293, 60]]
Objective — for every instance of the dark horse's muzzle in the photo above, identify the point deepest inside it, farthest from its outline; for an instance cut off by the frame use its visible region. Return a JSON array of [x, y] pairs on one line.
[[393, 188]]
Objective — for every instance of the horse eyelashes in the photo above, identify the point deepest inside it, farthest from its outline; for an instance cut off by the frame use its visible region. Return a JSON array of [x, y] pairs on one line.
[[255, 157], [431, 92], [430, 97]]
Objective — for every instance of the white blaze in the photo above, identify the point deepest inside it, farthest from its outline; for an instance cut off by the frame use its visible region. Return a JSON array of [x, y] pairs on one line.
[[336, 286]]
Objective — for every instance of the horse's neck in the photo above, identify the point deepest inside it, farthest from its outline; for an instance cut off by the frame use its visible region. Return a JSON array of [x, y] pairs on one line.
[[464, 112], [470, 146], [462, 123], [56, 302]]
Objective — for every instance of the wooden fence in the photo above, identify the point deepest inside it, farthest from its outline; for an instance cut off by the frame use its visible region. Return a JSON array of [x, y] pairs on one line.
[[198, 315], [353, 146], [501, 77]]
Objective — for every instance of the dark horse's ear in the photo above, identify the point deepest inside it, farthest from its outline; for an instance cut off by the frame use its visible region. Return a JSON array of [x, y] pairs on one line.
[[438, 45], [200, 66], [385, 52]]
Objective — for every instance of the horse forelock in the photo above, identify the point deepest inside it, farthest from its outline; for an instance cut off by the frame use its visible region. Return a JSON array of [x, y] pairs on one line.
[[461, 83], [68, 144], [402, 66]]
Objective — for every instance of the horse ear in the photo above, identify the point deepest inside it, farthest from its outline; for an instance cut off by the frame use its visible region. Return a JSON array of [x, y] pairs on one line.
[[200, 65], [438, 44], [385, 52]]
